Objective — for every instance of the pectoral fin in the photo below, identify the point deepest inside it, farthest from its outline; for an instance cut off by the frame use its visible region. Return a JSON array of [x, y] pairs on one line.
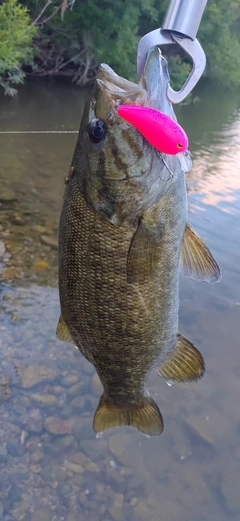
[[143, 254], [63, 332], [184, 364], [145, 417], [196, 260]]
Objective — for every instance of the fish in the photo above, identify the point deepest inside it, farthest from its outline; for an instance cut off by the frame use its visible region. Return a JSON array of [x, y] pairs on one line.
[[162, 132], [124, 237]]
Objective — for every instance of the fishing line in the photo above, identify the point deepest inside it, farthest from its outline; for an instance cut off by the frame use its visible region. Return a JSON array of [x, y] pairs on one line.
[[75, 132], [39, 132]]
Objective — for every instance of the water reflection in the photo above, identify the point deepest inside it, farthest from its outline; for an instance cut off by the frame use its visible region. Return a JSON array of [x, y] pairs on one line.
[[51, 465]]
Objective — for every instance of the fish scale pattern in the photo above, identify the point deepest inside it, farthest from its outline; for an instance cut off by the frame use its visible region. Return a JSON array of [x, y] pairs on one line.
[[116, 325]]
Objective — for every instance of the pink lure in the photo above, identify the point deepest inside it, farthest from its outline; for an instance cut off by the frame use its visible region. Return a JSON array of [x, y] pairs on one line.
[[161, 131]]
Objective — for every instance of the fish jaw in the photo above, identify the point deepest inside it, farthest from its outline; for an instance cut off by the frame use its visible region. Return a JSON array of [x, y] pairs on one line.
[[113, 89]]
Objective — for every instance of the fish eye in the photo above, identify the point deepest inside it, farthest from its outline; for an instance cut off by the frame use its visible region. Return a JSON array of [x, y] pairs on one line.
[[96, 130], [179, 145]]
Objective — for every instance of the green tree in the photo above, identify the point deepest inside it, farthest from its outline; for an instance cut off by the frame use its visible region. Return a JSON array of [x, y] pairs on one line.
[[71, 37], [74, 37], [16, 35], [219, 34]]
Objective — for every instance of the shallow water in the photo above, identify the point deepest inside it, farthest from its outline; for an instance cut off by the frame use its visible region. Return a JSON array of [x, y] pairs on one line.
[[52, 467]]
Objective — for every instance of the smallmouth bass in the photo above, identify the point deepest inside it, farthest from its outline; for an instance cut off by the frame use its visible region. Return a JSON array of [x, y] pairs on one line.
[[123, 238]]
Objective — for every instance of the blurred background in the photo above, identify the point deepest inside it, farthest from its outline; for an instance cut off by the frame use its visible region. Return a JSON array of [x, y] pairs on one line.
[[52, 467], [69, 38]]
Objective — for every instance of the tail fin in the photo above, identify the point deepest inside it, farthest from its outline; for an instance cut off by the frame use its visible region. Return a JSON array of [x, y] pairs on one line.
[[145, 417]]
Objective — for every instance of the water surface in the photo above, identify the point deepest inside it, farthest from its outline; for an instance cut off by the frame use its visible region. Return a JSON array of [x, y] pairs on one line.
[[51, 465]]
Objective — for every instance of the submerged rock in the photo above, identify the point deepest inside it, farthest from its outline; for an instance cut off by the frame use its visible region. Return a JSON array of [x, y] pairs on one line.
[[22, 400], [80, 458], [75, 515], [10, 273], [34, 374], [70, 378], [32, 421], [73, 467], [78, 402], [43, 514], [133, 501], [118, 500], [118, 445], [77, 388], [14, 447], [202, 428], [39, 228], [17, 219], [56, 425], [50, 241], [64, 443], [37, 456], [95, 449], [41, 265], [45, 400], [35, 468], [7, 196], [116, 513]]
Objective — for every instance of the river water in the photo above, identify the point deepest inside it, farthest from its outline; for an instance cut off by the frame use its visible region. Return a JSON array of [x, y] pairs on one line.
[[52, 467]]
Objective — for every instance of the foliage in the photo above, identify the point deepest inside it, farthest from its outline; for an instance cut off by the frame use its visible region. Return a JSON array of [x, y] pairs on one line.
[[87, 33], [179, 70], [16, 35], [220, 35], [74, 36]]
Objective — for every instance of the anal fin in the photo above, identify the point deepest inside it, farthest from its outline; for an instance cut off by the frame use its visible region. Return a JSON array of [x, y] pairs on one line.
[[63, 332], [185, 363], [196, 260], [144, 417]]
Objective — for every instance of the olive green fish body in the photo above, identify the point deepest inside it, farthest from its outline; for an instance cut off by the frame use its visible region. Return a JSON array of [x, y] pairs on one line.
[[123, 237], [120, 327]]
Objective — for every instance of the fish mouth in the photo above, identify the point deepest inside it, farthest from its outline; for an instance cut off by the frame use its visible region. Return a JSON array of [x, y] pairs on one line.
[[107, 74], [118, 85], [112, 91]]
